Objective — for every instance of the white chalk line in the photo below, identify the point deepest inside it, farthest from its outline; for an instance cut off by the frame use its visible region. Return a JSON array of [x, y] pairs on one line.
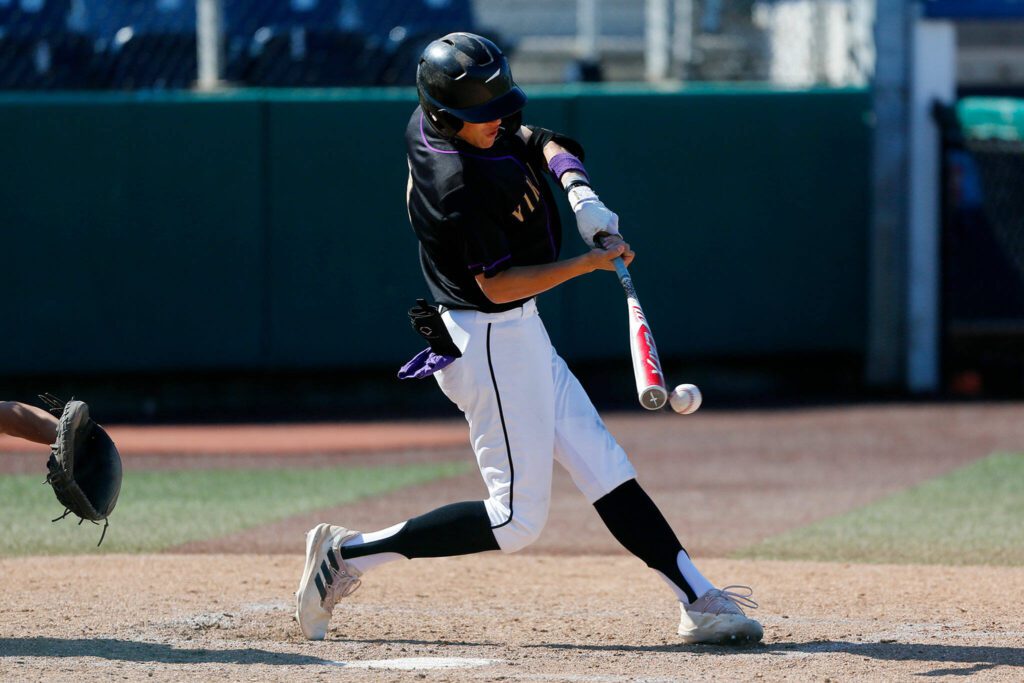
[[417, 663]]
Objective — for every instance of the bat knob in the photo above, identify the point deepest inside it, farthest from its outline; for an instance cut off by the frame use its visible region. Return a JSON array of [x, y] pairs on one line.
[[653, 398]]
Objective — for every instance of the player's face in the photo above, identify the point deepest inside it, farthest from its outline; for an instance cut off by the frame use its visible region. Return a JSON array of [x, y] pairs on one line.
[[480, 135]]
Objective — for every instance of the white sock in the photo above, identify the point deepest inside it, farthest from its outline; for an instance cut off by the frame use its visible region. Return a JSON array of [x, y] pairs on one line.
[[697, 582], [367, 562], [372, 536]]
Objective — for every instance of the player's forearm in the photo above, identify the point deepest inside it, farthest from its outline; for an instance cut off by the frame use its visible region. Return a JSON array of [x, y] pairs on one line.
[[27, 422], [523, 282]]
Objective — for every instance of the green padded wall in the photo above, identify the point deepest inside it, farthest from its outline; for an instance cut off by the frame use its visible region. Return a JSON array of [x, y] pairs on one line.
[[267, 230], [132, 234]]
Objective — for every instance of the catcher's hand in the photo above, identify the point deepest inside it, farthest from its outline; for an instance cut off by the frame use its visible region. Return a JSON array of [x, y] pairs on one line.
[[84, 466]]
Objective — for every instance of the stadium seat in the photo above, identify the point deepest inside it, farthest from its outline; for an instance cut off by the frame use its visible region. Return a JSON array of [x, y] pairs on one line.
[[143, 44], [305, 57], [245, 17], [151, 61], [397, 20], [105, 18], [399, 59], [34, 63], [38, 19]]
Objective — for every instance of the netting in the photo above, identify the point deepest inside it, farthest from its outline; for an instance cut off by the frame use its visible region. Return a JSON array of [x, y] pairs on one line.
[[144, 44], [1000, 164], [139, 44], [983, 244], [993, 133], [827, 42]]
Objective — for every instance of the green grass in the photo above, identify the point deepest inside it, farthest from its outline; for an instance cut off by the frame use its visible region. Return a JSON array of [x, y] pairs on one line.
[[974, 515], [157, 510]]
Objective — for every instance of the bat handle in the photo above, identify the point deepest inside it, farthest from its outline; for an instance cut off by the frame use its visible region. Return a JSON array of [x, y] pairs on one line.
[[624, 279], [620, 267]]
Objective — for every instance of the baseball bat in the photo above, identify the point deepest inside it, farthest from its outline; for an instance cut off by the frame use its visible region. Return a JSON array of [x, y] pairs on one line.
[[650, 381]]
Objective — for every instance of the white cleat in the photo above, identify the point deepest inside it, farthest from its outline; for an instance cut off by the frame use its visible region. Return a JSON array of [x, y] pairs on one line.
[[326, 579], [717, 619]]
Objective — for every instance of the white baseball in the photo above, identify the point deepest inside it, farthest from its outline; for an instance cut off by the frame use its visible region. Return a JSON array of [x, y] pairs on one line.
[[685, 399]]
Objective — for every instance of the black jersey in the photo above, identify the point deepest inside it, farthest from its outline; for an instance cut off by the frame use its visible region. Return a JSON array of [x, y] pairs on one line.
[[476, 211]]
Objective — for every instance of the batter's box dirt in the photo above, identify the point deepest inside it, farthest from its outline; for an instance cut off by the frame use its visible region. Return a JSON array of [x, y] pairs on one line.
[[492, 617]]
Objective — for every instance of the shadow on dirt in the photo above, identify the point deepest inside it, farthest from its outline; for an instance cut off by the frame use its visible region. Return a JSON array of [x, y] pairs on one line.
[[984, 657], [135, 651]]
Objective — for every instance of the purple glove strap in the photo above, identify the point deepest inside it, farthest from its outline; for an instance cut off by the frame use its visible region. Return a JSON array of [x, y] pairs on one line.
[[563, 162], [424, 364]]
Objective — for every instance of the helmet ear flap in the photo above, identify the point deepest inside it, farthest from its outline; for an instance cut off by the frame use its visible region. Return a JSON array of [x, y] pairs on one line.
[[447, 125]]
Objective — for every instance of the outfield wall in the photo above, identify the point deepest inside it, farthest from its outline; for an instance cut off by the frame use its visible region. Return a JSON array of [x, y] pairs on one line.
[[260, 230]]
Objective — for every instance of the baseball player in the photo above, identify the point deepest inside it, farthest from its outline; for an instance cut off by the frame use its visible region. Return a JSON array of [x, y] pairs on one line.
[[489, 243]]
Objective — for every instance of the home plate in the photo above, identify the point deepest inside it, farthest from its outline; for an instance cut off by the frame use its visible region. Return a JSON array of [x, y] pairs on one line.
[[411, 663]]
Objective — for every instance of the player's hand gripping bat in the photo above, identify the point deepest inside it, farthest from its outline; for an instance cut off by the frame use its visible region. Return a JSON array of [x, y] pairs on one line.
[[650, 381]]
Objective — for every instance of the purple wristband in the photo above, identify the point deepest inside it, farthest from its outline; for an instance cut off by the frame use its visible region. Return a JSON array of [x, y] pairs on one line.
[[564, 162]]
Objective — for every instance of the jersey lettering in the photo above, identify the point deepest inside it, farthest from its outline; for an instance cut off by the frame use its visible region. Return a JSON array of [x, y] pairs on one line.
[[518, 211]]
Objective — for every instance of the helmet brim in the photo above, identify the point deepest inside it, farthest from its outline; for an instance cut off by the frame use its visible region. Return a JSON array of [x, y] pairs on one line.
[[499, 108]]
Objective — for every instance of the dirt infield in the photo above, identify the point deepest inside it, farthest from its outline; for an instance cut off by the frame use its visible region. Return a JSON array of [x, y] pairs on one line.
[[575, 607], [534, 618]]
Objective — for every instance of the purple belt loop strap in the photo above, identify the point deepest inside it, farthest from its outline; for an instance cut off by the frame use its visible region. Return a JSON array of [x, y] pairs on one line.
[[564, 162]]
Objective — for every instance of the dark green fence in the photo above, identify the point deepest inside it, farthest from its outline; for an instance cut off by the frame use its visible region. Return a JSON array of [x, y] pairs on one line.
[[267, 231]]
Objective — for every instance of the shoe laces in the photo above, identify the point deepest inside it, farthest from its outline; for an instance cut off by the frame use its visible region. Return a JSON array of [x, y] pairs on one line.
[[728, 600], [341, 585]]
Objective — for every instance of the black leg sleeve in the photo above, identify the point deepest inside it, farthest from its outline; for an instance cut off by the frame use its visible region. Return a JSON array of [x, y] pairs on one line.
[[637, 523], [456, 529]]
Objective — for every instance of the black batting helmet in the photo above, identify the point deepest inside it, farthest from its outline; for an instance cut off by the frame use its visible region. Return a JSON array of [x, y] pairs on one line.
[[465, 77]]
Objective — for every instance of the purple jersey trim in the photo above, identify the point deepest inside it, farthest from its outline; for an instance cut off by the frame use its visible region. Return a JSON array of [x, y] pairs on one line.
[[491, 265], [547, 214]]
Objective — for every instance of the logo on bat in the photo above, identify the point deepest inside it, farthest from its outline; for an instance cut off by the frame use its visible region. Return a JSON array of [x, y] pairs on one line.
[[652, 353], [645, 342]]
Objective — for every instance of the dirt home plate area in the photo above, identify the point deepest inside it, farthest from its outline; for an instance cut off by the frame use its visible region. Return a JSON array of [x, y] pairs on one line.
[[574, 607]]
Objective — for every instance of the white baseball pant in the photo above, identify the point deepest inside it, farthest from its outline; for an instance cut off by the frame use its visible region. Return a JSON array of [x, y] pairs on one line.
[[524, 407]]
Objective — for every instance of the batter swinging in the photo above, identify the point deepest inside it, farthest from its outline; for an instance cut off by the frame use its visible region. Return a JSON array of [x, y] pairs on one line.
[[489, 240]]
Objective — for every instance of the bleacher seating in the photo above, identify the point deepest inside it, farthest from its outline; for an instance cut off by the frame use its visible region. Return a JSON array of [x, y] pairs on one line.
[[143, 44], [298, 56], [38, 50], [162, 61], [147, 44], [35, 63]]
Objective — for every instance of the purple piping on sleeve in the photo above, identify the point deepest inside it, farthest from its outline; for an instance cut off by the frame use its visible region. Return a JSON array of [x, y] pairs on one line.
[[547, 213], [491, 265]]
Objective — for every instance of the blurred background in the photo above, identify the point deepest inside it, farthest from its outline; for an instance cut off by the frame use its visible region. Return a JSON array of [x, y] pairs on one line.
[[203, 217]]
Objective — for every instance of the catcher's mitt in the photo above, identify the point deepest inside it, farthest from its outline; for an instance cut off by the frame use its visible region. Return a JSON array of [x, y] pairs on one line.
[[84, 466]]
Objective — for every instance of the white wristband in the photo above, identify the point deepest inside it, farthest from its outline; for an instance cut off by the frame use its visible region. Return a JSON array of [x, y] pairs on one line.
[[581, 194]]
